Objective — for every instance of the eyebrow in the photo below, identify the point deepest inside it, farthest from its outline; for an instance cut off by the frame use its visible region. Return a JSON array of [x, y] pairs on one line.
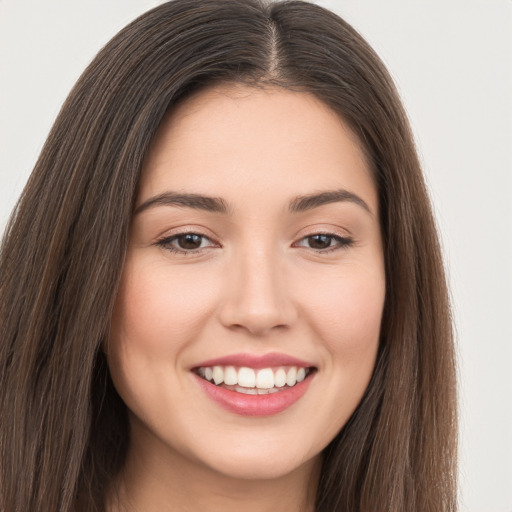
[[310, 201], [219, 205], [196, 201]]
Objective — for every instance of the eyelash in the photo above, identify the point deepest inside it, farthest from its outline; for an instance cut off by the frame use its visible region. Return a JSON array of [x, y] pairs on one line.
[[340, 243]]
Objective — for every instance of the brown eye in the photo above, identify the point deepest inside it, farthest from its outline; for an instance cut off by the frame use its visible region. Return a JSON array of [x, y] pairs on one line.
[[320, 241], [189, 241]]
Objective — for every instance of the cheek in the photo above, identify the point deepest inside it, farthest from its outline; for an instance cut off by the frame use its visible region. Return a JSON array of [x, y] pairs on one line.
[[343, 312], [158, 310], [347, 310], [157, 315]]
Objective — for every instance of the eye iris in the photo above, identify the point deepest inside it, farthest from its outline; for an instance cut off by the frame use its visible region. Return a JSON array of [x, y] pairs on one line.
[[319, 241], [189, 241]]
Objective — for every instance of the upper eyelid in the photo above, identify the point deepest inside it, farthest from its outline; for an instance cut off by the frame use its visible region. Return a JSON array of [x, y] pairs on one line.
[[186, 230], [325, 226]]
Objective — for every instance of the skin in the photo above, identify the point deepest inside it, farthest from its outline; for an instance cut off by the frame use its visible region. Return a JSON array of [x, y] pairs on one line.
[[256, 285]]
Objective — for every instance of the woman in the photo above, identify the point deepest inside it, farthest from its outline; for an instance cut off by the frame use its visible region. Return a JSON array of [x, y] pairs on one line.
[[222, 284]]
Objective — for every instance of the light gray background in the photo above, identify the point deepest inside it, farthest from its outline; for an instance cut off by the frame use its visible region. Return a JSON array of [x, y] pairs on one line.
[[452, 61]]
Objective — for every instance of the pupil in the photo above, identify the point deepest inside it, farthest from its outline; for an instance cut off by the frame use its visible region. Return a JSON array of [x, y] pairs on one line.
[[189, 241], [319, 241]]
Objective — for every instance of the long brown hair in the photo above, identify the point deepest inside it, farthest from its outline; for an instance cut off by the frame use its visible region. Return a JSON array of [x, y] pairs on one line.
[[63, 431]]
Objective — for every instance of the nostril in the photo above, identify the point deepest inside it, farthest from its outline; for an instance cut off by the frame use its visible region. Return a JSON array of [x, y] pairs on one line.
[[256, 321], [257, 328]]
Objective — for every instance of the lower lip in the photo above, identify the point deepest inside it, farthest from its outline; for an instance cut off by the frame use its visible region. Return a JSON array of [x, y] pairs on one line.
[[255, 405]]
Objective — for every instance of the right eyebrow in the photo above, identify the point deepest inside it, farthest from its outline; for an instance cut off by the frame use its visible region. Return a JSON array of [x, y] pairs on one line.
[[196, 201]]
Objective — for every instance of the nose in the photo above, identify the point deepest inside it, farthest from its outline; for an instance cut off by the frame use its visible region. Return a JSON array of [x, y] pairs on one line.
[[257, 297]]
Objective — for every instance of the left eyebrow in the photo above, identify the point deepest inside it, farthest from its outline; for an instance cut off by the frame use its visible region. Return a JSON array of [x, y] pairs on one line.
[[310, 201]]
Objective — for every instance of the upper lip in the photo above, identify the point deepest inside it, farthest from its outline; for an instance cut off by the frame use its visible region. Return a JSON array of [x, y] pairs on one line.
[[255, 361]]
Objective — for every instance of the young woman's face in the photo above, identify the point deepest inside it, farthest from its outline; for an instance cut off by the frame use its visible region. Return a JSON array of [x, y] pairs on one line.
[[247, 324]]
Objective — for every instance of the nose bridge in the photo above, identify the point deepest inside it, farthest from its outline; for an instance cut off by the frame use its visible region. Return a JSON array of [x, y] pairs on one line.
[[257, 298]]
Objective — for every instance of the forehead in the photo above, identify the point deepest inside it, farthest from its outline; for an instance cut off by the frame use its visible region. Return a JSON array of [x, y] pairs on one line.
[[234, 139]]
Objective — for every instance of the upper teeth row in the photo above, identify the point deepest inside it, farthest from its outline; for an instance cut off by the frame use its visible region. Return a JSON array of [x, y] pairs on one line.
[[265, 378]]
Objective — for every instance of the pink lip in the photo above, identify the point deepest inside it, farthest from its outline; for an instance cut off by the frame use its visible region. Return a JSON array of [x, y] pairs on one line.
[[254, 405], [255, 361]]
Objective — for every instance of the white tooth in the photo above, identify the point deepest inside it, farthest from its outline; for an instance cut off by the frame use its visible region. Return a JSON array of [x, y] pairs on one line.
[[280, 378], [246, 377], [273, 390], [249, 391], [218, 375], [265, 378], [208, 373], [301, 374], [291, 376], [262, 391], [230, 376]]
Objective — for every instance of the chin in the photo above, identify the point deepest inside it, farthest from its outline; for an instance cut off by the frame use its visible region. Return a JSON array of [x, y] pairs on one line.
[[257, 467]]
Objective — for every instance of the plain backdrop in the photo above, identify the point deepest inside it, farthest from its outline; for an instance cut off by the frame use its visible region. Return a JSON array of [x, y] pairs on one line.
[[452, 62]]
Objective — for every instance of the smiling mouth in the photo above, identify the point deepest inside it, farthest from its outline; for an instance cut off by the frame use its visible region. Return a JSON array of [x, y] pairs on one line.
[[249, 381]]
